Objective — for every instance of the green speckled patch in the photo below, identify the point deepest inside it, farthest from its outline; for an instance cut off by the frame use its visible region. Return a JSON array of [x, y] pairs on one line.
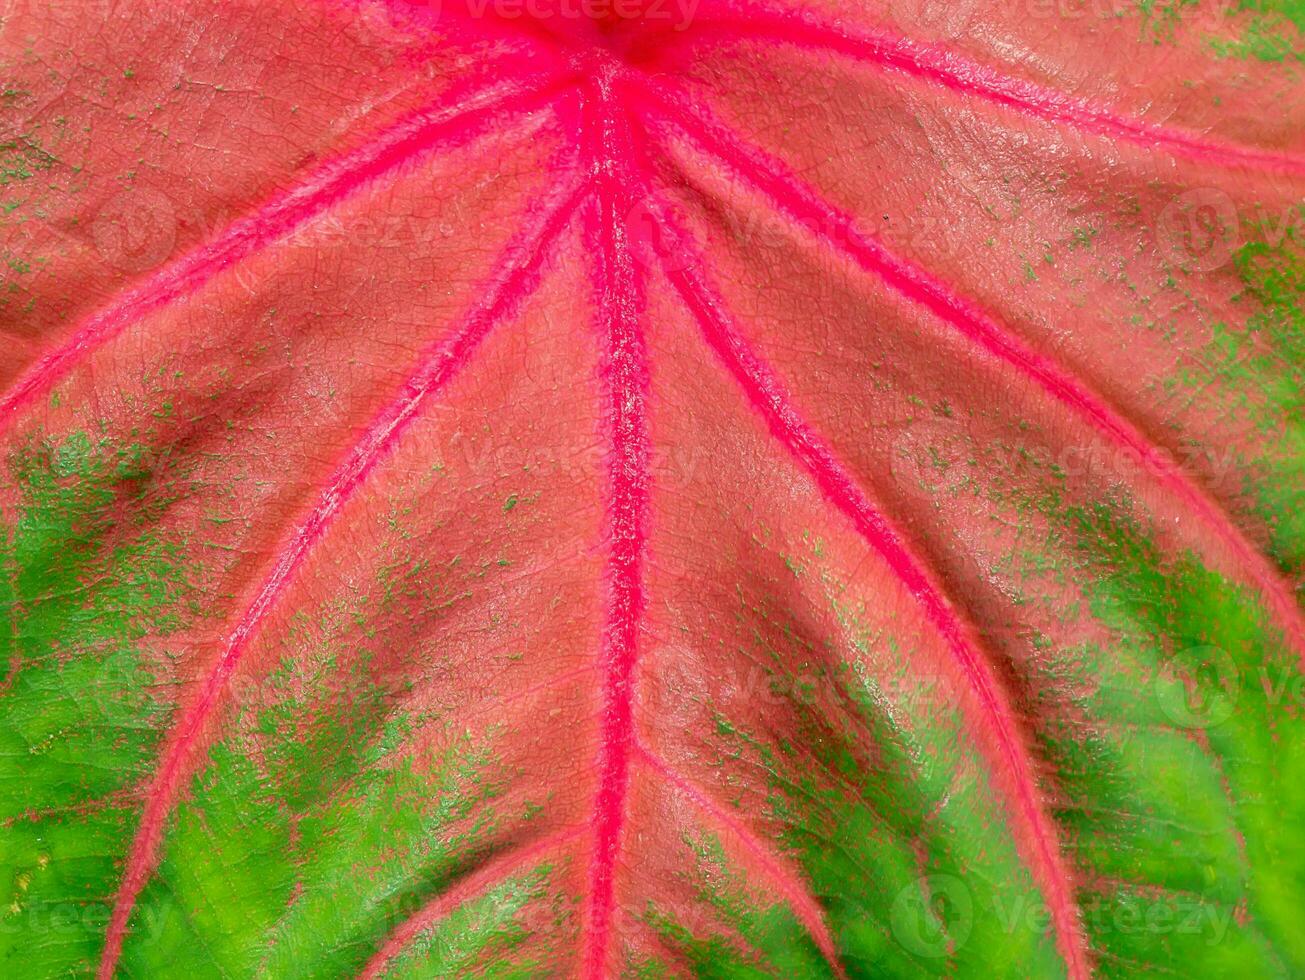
[[299, 851], [85, 584], [1260, 362], [885, 804], [1274, 31], [1190, 717]]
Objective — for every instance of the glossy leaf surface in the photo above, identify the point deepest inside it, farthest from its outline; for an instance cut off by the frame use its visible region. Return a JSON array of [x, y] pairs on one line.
[[651, 489]]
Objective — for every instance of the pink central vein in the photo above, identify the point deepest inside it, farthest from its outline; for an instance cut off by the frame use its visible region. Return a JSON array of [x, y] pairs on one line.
[[625, 381], [511, 283]]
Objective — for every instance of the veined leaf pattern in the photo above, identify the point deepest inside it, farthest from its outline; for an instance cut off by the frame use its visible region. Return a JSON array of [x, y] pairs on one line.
[[676, 488]]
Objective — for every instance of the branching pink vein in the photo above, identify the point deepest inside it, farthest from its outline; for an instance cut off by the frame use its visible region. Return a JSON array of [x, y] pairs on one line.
[[838, 231], [511, 283], [625, 383], [768, 397], [733, 24], [462, 115], [625, 371], [470, 887], [805, 908]]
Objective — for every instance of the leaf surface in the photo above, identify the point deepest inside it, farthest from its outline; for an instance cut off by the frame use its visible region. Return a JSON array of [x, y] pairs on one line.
[[648, 490]]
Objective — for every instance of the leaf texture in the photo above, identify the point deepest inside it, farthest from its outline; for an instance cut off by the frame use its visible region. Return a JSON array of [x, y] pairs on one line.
[[652, 489]]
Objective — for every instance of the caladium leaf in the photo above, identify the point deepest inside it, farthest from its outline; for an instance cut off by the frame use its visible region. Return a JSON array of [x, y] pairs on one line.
[[651, 489]]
